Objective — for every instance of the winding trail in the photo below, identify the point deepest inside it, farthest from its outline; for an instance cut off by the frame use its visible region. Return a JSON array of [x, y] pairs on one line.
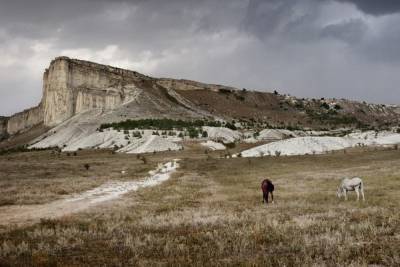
[[25, 214]]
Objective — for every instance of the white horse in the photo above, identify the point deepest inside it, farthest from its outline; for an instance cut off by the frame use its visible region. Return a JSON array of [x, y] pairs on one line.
[[353, 184]]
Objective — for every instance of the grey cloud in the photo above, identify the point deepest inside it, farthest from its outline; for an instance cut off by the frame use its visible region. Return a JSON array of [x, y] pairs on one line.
[[376, 7], [289, 45], [351, 31]]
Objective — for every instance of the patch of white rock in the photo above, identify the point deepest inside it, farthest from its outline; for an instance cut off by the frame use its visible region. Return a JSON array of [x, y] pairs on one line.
[[322, 144]]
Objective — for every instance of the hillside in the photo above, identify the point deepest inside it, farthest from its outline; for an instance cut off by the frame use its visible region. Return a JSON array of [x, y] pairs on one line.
[[91, 94]]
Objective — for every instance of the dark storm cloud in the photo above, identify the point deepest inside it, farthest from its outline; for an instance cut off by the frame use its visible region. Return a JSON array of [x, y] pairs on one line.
[[303, 47], [351, 31], [377, 7]]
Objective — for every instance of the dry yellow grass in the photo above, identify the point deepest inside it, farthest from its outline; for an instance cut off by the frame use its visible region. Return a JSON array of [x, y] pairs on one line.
[[211, 213]]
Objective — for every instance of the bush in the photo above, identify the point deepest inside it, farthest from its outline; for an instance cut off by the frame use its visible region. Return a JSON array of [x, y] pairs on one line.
[[240, 97], [230, 145], [325, 106], [87, 166], [337, 107], [143, 159], [137, 134], [204, 134], [193, 132], [224, 91], [277, 153], [231, 126]]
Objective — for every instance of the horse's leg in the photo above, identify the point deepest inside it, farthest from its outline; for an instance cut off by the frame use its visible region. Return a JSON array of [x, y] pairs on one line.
[[272, 197], [263, 197], [345, 194], [362, 193], [358, 193], [266, 197]]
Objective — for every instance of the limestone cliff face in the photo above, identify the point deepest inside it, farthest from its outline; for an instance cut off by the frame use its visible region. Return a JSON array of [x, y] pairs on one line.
[[3, 127], [25, 120], [72, 86]]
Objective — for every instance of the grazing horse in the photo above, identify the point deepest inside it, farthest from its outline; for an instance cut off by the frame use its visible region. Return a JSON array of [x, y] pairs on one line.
[[267, 187], [353, 184]]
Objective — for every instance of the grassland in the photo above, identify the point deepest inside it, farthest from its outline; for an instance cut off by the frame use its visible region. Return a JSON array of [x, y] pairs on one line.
[[210, 212]]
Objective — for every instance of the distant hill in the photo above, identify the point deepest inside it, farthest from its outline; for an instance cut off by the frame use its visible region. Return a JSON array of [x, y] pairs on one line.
[[72, 87]]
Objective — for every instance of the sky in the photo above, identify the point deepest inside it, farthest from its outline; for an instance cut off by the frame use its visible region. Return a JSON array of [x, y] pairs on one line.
[[306, 48]]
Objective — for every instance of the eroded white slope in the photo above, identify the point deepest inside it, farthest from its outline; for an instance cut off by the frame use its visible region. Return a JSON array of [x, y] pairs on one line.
[[213, 145], [318, 145], [300, 146], [223, 134], [150, 144]]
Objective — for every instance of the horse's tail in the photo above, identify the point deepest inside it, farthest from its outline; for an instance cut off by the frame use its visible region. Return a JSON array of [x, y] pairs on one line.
[[361, 185]]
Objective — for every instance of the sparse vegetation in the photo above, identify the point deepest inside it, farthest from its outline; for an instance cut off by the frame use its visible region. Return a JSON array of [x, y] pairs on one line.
[[209, 215], [337, 107], [87, 166], [160, 124], [325, 105]]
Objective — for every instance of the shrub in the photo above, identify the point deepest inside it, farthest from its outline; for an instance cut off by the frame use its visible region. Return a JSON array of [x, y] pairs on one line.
[[193, 132], [143, 159], [230, 145], [277, 153], [224, 91], [325, 105], [87, 166], [337, 107], [204, 134], [240, 97], [230, 126]]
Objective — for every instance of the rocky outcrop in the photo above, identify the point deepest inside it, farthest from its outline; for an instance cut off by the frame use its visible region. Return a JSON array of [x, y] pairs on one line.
[[3, 128], [24, 120], [72, 86]]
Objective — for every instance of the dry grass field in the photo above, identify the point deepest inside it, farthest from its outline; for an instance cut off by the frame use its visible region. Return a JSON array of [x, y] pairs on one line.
[[209, 213]]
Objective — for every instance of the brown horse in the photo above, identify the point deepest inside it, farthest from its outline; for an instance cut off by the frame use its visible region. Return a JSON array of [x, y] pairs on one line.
[[267, 187]]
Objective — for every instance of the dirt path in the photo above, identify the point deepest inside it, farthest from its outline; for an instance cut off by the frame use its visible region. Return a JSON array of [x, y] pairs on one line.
[[25, 214]]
